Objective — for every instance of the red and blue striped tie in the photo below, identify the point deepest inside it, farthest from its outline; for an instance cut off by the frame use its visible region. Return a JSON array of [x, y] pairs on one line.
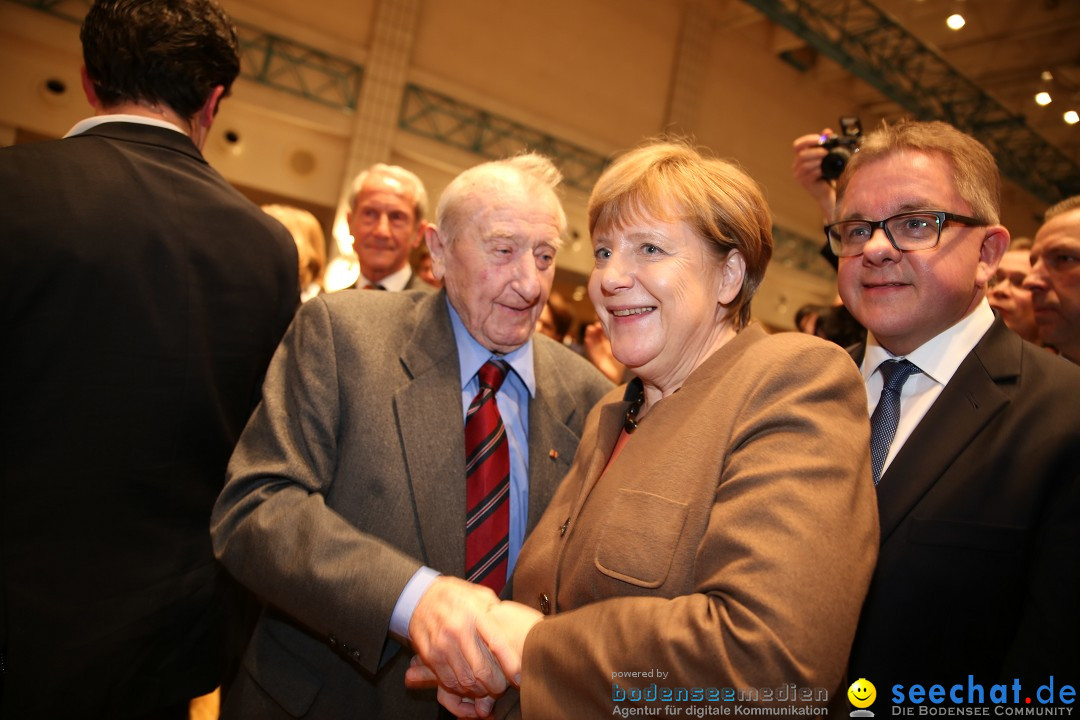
[[487, 474]]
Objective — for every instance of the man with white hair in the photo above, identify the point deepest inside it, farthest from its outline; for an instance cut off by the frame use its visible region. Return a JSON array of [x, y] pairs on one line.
[[386, 219], [360, 477]]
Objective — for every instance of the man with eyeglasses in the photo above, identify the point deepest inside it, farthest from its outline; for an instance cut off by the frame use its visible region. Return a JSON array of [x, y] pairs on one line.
[[1054, 280], [974, 431]]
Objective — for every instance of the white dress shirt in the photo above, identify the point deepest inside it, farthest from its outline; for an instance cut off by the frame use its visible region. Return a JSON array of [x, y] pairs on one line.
[[938, 358], [394, 282], [91, 122]]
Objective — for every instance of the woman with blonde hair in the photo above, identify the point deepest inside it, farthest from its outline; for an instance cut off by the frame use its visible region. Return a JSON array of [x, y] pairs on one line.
[[310, 246], [715, 537]]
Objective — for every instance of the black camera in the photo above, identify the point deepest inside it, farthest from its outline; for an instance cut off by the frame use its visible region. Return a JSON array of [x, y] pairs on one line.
[[841, 147]]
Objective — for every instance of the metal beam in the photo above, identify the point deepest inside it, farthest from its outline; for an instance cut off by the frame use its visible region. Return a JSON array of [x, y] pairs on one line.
[[266, 58], [298, 69], [875, 47], [440, 117]]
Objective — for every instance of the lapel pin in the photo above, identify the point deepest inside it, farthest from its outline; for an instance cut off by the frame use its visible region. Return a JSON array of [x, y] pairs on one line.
[[553, 454]]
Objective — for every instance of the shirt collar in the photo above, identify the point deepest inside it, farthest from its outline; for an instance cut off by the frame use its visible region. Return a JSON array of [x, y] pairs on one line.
[[394, 282], [941, 355], [472, 355], [92, 122]]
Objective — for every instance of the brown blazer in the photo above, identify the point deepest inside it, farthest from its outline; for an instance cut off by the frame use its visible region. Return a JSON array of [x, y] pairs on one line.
[[729, 545]]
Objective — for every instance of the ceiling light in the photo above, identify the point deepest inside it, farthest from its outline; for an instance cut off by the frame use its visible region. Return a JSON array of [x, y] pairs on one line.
[[1047, 76], [1043, 98], [1071, 117], [955, 21]]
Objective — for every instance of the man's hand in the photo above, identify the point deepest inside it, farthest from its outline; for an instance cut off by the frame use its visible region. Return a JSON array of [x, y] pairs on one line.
[[503, 627], [443, 633], [806, 168], [420, 675]]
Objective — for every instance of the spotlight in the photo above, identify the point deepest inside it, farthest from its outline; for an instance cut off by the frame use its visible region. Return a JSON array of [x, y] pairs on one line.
[[1072, 117], [955, 21], [1043, 98]]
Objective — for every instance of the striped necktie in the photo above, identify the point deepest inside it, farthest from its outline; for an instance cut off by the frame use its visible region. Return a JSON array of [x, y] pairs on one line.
[[487, 473]]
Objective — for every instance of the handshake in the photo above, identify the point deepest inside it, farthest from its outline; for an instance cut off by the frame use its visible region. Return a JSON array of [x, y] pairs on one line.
[[468, 643]]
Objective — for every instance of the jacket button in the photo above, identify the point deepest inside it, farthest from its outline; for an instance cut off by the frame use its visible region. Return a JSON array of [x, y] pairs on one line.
[[545, 604], [562, 530]]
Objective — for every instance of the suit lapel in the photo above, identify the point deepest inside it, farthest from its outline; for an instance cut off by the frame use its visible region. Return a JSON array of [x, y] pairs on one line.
[[971, 399], [552, 443], [432, 433], [610, 427]]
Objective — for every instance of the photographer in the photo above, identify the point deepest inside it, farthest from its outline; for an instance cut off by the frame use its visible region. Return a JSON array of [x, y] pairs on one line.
[[821, 157]]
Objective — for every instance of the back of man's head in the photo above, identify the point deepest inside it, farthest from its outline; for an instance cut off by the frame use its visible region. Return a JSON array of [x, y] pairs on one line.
[[159, 51], [975, 171]]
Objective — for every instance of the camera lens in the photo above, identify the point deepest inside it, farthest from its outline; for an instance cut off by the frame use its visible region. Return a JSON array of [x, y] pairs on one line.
[[834, 163]]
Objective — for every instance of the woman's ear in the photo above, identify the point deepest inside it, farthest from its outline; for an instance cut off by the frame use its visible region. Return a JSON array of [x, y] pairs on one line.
[[732, 274]]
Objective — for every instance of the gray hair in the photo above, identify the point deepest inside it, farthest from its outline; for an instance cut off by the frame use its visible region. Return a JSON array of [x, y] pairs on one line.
[[398, 173], [531, 169]]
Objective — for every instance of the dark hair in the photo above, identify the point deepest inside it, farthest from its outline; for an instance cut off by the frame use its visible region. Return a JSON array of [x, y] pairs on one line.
[[170, 51]]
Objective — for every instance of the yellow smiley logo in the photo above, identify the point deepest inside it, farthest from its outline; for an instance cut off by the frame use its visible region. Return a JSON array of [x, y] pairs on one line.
[[862, 693]]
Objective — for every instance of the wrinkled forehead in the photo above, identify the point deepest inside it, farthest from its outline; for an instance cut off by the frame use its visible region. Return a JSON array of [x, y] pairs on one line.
[[378, 182], [502, 210], [1065, 226]]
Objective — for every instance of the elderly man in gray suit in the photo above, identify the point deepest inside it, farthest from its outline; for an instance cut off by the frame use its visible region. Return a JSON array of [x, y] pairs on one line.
[[352, 487]]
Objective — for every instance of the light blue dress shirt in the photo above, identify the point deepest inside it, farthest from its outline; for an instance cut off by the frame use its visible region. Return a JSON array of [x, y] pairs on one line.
[[513, 401]]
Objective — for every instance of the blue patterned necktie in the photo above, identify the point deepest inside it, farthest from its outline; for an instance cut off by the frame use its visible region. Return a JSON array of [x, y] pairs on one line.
[[887, 413]]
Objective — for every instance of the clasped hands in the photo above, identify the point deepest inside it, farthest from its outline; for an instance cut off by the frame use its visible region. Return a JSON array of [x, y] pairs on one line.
[[468, 643]]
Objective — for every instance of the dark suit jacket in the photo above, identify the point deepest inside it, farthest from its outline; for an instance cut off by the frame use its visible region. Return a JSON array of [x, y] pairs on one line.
[[348, 478], [979, 568], [730, 544], [141, 299]]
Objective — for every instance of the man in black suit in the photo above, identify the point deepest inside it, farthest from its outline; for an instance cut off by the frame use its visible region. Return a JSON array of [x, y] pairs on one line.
[[387, 223], [979, 492], [142, 298]]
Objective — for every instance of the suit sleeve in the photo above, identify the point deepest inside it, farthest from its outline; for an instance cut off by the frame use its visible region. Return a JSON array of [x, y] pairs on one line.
[[779, 574], [271, 526]]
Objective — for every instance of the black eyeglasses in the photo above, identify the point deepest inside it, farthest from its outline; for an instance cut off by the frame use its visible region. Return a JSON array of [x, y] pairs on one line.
[[920, 230]]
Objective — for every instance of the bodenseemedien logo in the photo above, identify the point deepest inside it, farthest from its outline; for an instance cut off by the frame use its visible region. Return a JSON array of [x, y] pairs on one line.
[[862, 695]]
